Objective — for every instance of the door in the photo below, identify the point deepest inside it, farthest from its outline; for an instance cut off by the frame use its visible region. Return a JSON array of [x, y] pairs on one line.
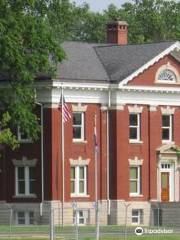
[[165, 186]]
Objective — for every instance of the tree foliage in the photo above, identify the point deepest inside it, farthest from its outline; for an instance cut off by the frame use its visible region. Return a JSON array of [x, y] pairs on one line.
[[149, 21], [28, 47]]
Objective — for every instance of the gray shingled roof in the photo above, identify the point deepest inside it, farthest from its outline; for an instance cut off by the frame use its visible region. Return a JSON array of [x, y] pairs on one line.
[[98, 62], [82, 63], [121, 61]]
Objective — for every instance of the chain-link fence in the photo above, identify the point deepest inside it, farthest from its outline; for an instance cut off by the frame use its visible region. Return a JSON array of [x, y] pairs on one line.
[[75, 222]]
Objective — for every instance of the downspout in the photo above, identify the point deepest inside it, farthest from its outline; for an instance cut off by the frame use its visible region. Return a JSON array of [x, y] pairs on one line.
[[42, 158], [108, 194], [149, 148]]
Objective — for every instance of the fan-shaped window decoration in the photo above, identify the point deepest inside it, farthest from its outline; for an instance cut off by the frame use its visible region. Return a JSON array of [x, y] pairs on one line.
[[167, 75]]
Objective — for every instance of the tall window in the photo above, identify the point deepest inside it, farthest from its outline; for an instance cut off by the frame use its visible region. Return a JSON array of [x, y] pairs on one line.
[[78, 126], [134, 127], [167, 129], [79, 180], [135, 180], [25, 180]]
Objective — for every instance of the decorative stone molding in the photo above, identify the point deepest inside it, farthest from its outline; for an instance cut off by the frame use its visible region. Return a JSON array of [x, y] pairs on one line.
[[104, 108], [117, 107], [135, 161], [167, 110], [24, 162], [153, 108], [166, 148], [135, 109], [79, 108], [79, 162]]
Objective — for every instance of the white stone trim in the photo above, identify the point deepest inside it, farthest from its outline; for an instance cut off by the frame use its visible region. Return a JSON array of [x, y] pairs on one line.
[[104, 108], [79, 162], [167, 110], [135, 109], [153, 108], [174, 46], [24, 162], [79, 108], [135, 162], [117, 107]]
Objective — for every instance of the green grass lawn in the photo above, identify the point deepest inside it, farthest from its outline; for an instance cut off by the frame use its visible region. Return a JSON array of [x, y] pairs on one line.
[[120, 238], [41, 232]]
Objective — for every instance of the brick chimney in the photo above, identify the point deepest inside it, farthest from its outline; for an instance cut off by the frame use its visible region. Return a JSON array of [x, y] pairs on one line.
[[117, 32]]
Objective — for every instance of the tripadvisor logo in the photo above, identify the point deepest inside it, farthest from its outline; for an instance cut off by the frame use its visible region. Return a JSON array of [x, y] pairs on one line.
[[139, 231]]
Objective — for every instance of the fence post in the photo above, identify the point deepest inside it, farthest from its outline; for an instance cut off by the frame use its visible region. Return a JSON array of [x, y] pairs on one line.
[[10, 222], [74, 204], [51, 225], [125, 229]]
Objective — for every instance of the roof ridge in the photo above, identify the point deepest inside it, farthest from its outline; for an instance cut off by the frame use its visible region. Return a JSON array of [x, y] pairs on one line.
[[136, 44]]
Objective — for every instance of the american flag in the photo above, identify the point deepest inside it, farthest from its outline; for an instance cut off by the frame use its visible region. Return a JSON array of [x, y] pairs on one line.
[[63, 107]]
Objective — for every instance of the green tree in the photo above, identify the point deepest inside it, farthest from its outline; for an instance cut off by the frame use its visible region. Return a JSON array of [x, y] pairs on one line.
[[28, 47], [149, 21]]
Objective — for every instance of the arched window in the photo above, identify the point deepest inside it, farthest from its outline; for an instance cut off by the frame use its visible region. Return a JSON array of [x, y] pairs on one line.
[[167, 75]]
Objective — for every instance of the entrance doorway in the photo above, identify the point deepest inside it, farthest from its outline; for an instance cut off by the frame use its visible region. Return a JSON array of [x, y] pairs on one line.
[[165, 186]]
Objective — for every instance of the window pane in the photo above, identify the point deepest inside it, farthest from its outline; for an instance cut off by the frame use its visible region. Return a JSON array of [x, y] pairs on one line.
[[133, 187], [165, 120], [21, 187], [21, 214], [133, 173], [165, 134], [80, 213], [72, 172], [81, 172], [81, 220], [24, 136], [77, 118], [133, 119], [32, 186], [77, 132], [31, 217], [72, 187], [135, 213], [134, 219], [21, 217], [133, 133], [81, 186], [20, 172], [32, 174]]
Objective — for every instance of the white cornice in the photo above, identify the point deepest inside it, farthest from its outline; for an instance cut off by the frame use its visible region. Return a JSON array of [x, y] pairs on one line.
[[154, 89], [174, 46], [81, 85]]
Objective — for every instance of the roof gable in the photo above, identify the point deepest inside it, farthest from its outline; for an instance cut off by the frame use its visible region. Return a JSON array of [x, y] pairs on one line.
[[167, 51], [123, 63]]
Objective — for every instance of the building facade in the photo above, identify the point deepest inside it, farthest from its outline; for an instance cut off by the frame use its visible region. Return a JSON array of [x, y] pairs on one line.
[[134, 93]]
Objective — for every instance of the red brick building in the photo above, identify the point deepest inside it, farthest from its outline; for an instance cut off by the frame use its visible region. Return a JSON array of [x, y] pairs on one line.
[[134, 90]]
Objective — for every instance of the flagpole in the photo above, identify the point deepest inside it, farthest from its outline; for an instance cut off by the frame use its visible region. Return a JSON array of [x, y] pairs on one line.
[[96, 178], [62, 150]]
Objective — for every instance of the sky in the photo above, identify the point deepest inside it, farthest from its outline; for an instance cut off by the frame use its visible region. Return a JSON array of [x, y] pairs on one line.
[[99, 5]]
